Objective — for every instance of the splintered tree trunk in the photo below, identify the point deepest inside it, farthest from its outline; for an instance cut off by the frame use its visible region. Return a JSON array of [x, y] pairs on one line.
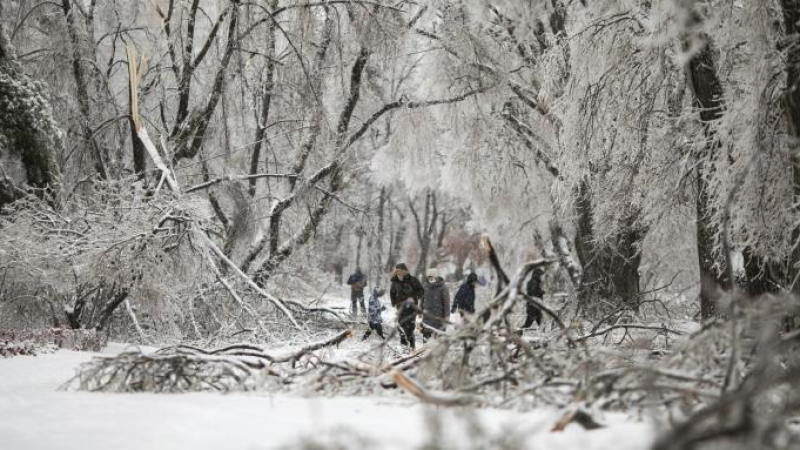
[[139, 150], [708, 98]]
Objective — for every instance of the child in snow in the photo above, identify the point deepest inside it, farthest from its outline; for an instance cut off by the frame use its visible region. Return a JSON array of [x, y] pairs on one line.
[[374, 308]]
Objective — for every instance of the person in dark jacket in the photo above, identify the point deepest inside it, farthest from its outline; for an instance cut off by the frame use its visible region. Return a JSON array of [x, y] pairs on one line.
[[405, 293], [374, 308], [357, 282], [464, 301], [435, 305], [533, 289]]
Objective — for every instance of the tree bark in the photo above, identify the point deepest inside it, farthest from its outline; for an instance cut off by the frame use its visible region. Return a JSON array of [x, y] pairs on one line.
[[791, 17], [266, 102], [187, 70], [585, 246], [379, 237], [707, 90], [610, 273], [396, 241], [359, 245], [84, 105], [425, 227], [191, 135]]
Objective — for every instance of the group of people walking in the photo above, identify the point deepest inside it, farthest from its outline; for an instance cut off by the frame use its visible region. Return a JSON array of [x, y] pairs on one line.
[[430, 298]]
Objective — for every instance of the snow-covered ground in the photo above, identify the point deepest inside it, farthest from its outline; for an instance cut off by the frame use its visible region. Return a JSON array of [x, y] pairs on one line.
[[35, 415]]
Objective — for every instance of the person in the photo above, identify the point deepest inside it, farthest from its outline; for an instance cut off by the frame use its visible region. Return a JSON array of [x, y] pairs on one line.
[[533, 289], [464, 301], [435, 305], [405, 293], [357, 283], [374, 308]]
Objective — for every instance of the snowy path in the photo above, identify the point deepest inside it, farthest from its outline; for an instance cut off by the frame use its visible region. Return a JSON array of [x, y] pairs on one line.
[[34, 415]]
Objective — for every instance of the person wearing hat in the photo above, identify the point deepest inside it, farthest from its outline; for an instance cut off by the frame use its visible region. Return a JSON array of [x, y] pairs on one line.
[[374, 308], [464, 301], [435, 305], [533, 289], [405, 293]]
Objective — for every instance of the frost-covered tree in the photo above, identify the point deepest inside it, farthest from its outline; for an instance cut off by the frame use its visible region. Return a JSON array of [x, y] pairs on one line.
[[29, 137]]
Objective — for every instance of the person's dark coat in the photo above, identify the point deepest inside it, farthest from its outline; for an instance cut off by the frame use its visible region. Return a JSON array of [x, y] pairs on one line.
[[356, 282], [408, 287], [533, 289], [534, 286], [465, 298], [406, 320], [435, 303]]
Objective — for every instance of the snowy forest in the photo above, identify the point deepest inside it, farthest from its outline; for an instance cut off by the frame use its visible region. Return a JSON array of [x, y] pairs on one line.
[[440, 224]]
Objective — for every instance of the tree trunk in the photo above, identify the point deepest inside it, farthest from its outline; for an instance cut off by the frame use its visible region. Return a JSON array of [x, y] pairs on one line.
[[608, 273], [190, 129], [425, 226], [623, 264], [266, 102], [360, 243], [592, 279], [376, 264], [396, 242], [81, 85], [708, 98], [791, 17]]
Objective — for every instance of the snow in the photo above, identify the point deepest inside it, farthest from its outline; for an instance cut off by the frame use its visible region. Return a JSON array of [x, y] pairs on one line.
[[35, 415]]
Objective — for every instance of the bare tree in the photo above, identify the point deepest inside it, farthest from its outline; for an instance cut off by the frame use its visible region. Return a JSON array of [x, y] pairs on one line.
[[425, 222], [82, 84]]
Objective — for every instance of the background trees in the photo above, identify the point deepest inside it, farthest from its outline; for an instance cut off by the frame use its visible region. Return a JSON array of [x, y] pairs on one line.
[[641, 143]]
